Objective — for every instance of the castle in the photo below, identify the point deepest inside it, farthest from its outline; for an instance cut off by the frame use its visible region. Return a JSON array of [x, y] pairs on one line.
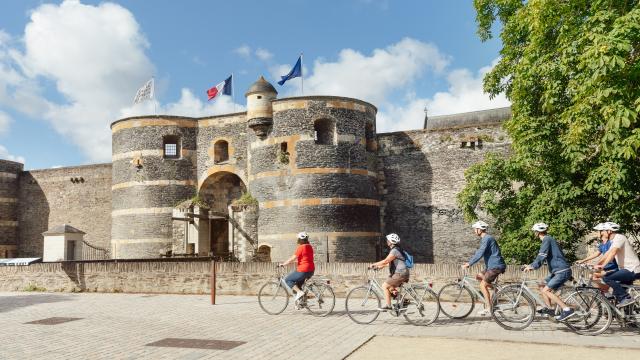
[[242, 185]]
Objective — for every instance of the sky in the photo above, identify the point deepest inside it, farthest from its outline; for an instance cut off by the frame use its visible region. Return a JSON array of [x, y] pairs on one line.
[[68, 69]]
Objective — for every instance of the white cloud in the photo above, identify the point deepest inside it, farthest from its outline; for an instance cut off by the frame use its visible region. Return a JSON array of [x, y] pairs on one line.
[[5, 120], [263, 54], [4, 154], [244, 51], [464, 94], [373, 78]]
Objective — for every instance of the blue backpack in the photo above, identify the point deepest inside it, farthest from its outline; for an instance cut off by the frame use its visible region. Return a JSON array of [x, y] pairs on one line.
[[408, 259]]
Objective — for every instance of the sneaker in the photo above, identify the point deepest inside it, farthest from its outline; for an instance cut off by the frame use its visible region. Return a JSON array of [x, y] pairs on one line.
[[384, 308], [565, 315], [626, 301], [484, 312], [299, 295], [545, 311]]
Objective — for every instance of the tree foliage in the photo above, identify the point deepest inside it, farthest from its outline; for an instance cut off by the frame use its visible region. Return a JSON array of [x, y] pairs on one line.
[[571, 70]]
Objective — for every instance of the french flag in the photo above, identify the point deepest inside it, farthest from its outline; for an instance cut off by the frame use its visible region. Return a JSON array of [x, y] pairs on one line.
[[222, 88]]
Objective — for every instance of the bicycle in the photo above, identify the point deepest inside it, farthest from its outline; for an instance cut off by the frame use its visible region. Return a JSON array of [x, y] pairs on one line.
[[319, 298], [514, 306], [628, 316], [417, 303], [457, 299]]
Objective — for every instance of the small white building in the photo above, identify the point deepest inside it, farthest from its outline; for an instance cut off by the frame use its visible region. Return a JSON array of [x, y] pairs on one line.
[[62, 243]]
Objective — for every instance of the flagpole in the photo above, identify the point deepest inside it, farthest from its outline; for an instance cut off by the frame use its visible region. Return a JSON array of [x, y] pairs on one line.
[[301, 75], [153, 95], [233, 92]]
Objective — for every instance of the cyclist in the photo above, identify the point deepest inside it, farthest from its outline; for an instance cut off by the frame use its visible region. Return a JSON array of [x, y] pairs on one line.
[[493, 262], [628, 263], [602, 250], [398, 271], [305, 267], [559, 272]]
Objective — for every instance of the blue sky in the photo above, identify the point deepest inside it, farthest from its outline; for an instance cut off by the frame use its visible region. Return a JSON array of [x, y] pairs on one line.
[[69, 69]]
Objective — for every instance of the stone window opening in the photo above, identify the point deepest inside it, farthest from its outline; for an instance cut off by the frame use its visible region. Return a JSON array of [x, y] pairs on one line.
[[171, 147], [221, 151], [324, 132], [283, 153], [369, 138]]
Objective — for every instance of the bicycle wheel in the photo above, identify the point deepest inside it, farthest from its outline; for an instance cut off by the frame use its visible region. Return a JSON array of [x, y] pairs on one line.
[[456, 301], [320, 299], [512, 308], [424, 308], [362, 305], [593, 314], [273, 298]]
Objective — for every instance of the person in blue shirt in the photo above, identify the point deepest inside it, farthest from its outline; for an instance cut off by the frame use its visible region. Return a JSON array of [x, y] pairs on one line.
[[559, 272], [602, 249], [494, 264]]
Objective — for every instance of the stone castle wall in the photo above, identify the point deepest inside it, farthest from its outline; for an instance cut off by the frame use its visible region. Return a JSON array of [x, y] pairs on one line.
[[422, 173], [79, 196], [193, 277], [9, 225]]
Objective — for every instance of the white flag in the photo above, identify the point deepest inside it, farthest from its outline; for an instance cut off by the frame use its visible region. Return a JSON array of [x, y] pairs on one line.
[[144, 93]]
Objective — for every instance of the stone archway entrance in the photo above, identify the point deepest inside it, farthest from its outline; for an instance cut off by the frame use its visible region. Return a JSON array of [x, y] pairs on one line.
[[219, 191]]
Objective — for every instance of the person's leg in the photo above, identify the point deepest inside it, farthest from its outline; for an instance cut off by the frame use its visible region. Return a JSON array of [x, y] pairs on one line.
[[622, 276], [292, 280], [545, 298], [387, 293]]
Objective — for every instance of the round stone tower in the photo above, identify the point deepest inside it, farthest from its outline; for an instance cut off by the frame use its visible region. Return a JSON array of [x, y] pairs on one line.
[[313, 169], [154, 163], [9, 172], [259, 109]]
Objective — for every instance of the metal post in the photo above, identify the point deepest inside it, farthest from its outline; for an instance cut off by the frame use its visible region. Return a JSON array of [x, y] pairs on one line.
[[213, 282]]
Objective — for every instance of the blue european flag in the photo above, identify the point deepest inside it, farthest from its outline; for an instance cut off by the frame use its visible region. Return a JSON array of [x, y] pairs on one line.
[[294, 73]]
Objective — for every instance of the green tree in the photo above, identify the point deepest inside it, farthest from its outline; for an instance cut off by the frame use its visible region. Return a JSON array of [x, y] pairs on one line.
[[571, 70]]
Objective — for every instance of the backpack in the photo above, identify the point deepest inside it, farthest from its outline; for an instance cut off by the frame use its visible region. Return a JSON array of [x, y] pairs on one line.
[[408, 259]]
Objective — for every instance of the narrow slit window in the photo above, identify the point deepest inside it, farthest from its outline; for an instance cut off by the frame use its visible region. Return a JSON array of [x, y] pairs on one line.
[[221, 151]]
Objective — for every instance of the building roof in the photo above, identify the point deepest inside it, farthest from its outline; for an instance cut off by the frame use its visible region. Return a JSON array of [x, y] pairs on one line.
[[261, 86], [63, 229], [468, 119]]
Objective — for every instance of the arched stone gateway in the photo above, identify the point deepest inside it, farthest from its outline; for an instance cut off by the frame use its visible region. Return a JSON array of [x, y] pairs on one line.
[[225, 229]]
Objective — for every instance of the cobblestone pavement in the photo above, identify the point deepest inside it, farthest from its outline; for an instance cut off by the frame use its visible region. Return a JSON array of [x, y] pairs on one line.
[[119, 326]]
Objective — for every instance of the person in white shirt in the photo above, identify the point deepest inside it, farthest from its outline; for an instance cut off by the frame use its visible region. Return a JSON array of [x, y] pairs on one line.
[[628, 264]]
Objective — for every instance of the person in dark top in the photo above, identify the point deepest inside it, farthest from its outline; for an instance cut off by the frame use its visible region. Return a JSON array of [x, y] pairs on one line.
[[559, 272], [398, 271], [494, 264], [603, 247]]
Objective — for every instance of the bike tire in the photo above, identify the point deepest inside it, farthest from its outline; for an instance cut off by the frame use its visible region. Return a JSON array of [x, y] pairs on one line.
[[323, 300], [425, 309], [594, 315], [456, 301], [512, 308], [362, 305], [273, 298]]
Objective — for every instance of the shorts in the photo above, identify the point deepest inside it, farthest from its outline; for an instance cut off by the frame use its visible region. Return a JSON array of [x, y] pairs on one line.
[[490, 275], [397, 279], [555, 281]]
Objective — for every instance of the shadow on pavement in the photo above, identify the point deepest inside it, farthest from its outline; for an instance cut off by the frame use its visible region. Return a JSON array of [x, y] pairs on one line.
[[9, 303]]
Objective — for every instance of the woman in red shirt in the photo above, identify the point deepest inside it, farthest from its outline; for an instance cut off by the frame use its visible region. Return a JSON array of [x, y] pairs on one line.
[[305, 268]]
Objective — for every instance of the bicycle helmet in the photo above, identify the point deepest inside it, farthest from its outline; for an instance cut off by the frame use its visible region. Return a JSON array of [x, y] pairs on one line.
[[611, 226], [393, 238], [599, 227], [303, 235], [540, 227], [480, 225]]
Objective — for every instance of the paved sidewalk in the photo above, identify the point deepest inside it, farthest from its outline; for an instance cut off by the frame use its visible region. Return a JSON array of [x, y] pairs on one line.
[[119, 326]]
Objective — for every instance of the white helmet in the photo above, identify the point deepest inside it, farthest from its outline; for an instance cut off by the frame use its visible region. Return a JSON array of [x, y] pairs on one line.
[[303, 235], [599, 227], [480, 225], [611, 226], [393, 238], [539, 227]]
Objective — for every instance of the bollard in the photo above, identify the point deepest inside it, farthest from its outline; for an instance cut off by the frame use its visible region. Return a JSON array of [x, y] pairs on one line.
[[213, 282]]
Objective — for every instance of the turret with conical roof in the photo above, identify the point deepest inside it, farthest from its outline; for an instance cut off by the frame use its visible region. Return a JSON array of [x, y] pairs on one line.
[[259, 109]]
